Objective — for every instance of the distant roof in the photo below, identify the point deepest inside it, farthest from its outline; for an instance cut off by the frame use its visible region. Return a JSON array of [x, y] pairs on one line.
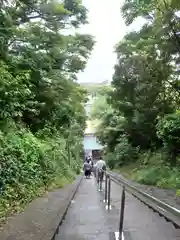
[[94, 83]]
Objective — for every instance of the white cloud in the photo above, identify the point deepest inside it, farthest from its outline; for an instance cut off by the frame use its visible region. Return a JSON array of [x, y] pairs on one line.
[[108, 27]]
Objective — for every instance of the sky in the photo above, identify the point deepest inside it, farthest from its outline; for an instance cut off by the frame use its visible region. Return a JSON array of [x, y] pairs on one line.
[[107, 26]]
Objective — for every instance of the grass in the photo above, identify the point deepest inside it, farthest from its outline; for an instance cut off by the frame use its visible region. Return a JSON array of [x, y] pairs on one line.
[[159, 176], [60, 182], [128, 170]]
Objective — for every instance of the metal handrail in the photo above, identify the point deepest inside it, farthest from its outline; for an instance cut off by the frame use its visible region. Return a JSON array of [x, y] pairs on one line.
[[121, 220], [170, 213]]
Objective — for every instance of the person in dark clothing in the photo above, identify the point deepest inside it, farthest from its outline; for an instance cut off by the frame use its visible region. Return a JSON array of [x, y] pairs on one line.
[[87, 169]]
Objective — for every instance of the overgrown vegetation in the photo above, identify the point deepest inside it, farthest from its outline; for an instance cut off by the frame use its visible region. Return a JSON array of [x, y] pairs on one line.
[[141, 121], [42, 106]]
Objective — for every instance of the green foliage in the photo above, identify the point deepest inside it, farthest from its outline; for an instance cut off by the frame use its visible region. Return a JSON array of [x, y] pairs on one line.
[[178, 193], [150, 169], [144, 98], [16, 93], [30, 166], [168, 129], [109, 158], [163, 177], [99, 108], [39, 62], [149, 176], [124, 153], [42, 106]]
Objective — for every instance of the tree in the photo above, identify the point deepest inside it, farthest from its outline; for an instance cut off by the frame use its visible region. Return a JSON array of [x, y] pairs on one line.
[[100, 104], [42, 105], [145, 84], [139, 92], [34, 43]]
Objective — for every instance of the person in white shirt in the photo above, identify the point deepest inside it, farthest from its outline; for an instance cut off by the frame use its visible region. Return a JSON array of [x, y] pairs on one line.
[[89, 159], [100, 163], [100, 169]]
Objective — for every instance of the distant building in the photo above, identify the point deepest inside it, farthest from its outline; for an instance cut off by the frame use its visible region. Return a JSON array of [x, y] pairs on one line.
[[92, 147]]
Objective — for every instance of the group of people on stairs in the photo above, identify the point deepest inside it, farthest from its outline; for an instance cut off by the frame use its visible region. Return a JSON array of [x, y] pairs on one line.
[[99, 168]]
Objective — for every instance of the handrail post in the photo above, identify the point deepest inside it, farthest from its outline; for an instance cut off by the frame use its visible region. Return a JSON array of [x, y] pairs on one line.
[[122, 213], [100, 183], [106, 187], [108, 207], [97, 176]]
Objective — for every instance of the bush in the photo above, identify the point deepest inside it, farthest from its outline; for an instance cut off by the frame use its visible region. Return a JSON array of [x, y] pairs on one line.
[[124, 152], [155, 173], [178, 192], [168, 130], [150, 158], [30, 166], [148, 176], [170, 178], [110, 159]]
